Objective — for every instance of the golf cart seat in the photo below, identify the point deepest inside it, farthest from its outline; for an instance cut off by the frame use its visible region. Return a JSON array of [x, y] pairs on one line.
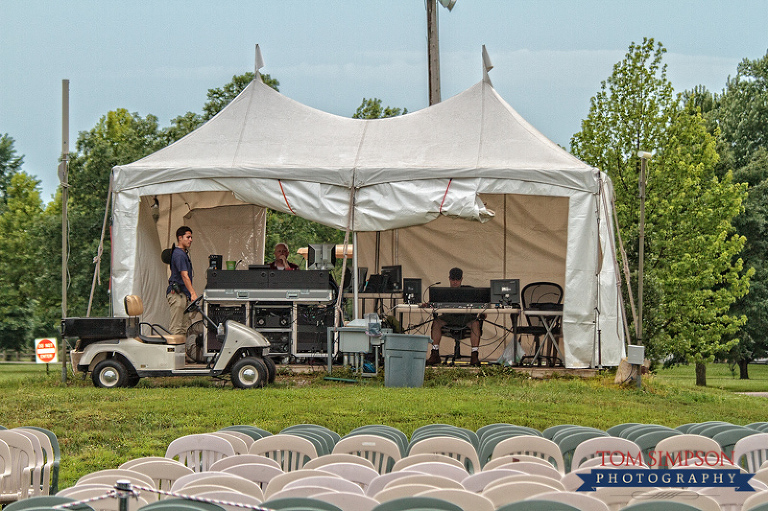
[[135, 307]]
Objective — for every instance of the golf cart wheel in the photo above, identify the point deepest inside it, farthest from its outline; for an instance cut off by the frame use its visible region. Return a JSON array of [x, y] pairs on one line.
[[249, 373], [271, 369], [110, 374]]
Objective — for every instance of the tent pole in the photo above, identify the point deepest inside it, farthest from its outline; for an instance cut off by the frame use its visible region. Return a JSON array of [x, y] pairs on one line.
[[63, 177], [355, 276]]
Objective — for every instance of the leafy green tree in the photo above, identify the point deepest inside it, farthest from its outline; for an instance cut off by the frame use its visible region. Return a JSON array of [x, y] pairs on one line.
[[9, 165], [739, 118], [372, 109], [221, 97], [692, 272], [118, 138], [17, 293]]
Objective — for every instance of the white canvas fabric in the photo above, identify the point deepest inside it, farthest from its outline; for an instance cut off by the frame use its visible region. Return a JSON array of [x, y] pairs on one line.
[[458, 159]]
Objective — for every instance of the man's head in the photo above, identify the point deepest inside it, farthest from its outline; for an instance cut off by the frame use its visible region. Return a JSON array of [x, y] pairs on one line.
[[184, 237], [281, 249], [455, 276]]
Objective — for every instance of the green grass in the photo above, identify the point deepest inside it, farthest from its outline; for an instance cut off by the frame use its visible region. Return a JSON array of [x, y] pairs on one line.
[[99, 428]]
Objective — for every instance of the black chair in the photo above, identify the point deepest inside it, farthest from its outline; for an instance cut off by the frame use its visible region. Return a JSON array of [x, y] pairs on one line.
[[543, 296], [458, 333]]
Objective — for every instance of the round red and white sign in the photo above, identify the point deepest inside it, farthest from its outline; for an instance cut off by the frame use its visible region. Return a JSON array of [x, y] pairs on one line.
[[46, 351]]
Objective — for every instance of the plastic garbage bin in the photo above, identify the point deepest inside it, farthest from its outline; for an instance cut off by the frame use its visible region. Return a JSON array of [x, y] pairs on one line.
[[404, 359]]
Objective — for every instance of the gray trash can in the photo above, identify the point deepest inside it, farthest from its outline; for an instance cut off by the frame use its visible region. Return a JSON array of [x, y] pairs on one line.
[[404, 359]]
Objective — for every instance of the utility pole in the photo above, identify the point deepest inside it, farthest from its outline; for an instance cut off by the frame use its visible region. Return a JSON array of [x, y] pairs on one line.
[[63, 178], [433, 48], [644, 157]]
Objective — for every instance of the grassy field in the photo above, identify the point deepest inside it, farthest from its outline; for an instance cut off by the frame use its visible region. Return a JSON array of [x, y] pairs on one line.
[[99, 428]]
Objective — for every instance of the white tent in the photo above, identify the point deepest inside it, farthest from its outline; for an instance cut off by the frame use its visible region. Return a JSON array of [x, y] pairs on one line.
[[471, 157]]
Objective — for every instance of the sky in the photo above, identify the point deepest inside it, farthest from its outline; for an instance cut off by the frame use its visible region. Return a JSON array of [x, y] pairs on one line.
[[161, 57]]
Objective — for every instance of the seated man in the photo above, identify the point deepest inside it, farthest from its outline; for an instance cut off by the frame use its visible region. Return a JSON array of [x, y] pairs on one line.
[[281, 261], [455, 277]]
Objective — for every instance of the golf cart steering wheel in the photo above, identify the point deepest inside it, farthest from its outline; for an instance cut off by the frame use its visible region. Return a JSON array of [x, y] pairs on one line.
[[195, 305]]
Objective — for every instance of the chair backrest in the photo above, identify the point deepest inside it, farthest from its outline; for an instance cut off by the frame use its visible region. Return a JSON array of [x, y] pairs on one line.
[[531, 445], [453, 447], [44, 459], [56, 456], [303, 503], [437, 481], [358, 474], [164, 472], [333, 482], [378, 483], [200, 451], [339, 457], [259, 473], [684, 445], [226, 480], [385, 431], [278, 482], [754, 451], [133, 305], [512, 492], [112, 475], [348, 501], [291, 451], [536, 504], [620, 451], [477, 482], [540, 294], [579, 500], [464, 498], [414, 459], [243, 459], [439, 469], [238, 444], [380, 451], [23, 465]]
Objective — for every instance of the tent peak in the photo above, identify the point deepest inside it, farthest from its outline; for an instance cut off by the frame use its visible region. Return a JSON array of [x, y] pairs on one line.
[[487, 66], [259, 61]]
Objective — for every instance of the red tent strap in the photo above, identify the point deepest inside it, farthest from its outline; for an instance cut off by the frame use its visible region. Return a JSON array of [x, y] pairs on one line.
[[445, 194], [284, 197]]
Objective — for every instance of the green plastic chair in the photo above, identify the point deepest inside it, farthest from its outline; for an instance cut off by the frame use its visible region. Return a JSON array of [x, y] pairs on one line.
[[396, 436], [659, 505], [727, 439], [44, 501], [502, 426], [648, 441], [330, 437], [698, 428], [618, 428], [179, 504], [636, 432], [683, 428], [489, 443], [323, 443], [564, 433], [551, 431], [251, 431], [537, 505], [445, 430], [711, 431], [54, 489], [760, 507], [760, 426], [569, 443], [417, 503], [299, 504]]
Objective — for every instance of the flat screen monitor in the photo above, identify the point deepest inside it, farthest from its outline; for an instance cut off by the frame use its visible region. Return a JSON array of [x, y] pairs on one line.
[[321, 256], [412, 291], [460, 295], [395, 278], [377, 283], [505, 291]]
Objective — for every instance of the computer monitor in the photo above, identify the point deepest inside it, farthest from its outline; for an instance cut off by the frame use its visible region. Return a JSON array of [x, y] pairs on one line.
[[395, 278], [412, 291], [377, 283], [505, 291], [321, 256]]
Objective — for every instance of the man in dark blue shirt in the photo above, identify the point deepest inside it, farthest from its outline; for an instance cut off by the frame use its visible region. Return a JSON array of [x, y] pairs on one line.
[[180, 290]]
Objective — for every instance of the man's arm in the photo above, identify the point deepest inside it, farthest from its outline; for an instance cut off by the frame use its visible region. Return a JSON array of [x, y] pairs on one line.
[[188, 284]]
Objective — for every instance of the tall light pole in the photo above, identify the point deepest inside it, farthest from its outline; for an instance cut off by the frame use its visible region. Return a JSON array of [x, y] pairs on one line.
[[63, 178], [433, 48], [644, 157]]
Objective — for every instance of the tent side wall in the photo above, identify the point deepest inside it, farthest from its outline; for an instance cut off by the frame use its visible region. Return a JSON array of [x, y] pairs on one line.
[[220, 224]]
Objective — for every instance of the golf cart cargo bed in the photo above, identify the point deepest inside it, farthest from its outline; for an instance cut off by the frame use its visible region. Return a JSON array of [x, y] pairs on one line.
[[100, 328]]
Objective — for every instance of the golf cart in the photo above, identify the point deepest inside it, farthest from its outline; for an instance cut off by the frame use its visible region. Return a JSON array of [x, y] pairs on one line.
[[118, 354]]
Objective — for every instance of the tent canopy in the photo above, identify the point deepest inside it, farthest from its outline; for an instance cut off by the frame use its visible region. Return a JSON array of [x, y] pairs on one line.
[[267, 150]]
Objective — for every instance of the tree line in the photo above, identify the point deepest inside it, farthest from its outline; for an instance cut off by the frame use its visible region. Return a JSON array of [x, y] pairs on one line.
[[705, 274]]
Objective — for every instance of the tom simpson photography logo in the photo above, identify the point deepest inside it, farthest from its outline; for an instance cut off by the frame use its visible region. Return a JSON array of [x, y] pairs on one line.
[[686, 469]]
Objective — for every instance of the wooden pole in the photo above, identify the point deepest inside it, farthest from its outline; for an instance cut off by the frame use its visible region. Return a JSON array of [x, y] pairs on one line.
[[63, 171]]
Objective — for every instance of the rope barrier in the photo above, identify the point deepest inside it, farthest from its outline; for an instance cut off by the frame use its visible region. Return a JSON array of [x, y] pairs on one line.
[[124, 490]]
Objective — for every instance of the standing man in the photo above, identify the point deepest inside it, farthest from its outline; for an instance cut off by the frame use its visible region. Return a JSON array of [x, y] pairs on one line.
[[180, 290], [455, 276]]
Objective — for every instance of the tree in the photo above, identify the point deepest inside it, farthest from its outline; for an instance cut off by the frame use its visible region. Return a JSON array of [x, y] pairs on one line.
[[9, 165], [17, 293], [118, 138], [221, 97], [692, 272], [371, 109]]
